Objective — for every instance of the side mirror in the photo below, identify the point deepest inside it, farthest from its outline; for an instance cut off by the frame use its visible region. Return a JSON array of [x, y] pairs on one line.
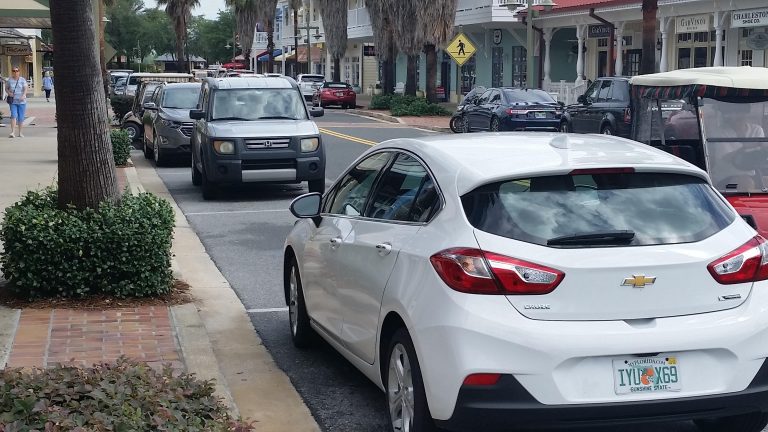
[[150, 106], [316, 111], [582, 99], [561, 103], [196, 114], [307, 206]]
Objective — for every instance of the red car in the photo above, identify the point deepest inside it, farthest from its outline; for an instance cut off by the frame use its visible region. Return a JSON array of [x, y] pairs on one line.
[[335, 93]]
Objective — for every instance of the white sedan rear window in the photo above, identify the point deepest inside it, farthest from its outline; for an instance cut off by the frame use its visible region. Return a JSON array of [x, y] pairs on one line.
[[601, 209]]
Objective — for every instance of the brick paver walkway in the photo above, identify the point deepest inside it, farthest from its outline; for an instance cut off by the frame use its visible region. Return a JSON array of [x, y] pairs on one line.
[[48, 337]]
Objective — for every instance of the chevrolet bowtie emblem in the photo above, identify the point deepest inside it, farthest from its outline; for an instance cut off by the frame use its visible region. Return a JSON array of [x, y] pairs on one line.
[[639, 281]]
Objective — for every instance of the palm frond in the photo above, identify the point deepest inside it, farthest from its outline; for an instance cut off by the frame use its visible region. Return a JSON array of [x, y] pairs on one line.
[[381, 24], [436, 19]]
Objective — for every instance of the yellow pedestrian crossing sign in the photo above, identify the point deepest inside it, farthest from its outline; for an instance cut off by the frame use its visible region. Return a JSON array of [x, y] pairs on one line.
[[461, 49]]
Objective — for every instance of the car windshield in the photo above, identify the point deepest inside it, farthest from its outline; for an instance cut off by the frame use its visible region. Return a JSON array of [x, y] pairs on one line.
[[737, 144], [258, 104], [312, 78], [134, 80], [336, 85], [655, 208], [528, 96], [181, 98], [148, 90], [120, 81]]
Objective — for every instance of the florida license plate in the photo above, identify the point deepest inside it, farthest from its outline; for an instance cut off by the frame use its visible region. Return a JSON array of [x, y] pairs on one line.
[[646, 374], [539, 115], [339, 94]]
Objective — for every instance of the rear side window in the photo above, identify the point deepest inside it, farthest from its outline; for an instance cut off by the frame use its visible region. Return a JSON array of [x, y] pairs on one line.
[[405, 193], [655, 208]]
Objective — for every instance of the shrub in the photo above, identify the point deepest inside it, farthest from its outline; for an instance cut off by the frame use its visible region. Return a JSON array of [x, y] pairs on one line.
[[121, 146], [120, 249], [412, 106], [121, 105], [381, 102], [125, 396]]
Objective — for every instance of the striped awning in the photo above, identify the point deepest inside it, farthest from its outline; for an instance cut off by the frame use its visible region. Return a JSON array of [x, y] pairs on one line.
[[31, 14]]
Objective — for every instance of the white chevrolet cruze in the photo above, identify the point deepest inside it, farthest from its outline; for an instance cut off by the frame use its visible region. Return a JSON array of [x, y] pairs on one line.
[[534, 280]]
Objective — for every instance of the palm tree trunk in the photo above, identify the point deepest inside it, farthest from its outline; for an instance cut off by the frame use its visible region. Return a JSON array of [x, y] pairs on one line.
[[431, 59], [270, 46], [648, 57], [336, 69], [410, 81], [389, 71], [180, 44], [86, 167], [295, 42]]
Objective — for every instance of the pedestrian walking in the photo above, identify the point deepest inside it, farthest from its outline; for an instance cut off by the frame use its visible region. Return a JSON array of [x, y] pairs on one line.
[[48, 86], [16, 88]]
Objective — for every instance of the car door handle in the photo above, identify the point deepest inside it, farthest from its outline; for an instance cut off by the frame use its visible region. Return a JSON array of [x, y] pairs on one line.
[[384, 248], [335, 242]]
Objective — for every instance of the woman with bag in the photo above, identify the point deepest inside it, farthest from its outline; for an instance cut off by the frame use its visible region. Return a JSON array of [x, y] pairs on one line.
[[16, 88], [48, 86]]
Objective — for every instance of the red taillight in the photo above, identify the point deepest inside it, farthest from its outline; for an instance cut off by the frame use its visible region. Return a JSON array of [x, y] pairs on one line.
[[473, 271], [627, 116], [597, 171], [748, 263], [482, 379]]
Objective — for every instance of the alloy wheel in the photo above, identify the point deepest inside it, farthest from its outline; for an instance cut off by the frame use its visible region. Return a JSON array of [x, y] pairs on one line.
[[400, 390], [293, 293]]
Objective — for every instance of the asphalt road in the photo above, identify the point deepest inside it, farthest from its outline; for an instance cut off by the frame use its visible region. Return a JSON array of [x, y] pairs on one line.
[[244, 233]]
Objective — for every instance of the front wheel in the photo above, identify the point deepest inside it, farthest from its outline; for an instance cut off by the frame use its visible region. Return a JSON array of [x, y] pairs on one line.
[[457, 124], [302, 334], [149, 153], [316, 185], [607, 130], [406, 398], [495, 124], [161, 159], [565, 127], [197, 176], [754, 422]]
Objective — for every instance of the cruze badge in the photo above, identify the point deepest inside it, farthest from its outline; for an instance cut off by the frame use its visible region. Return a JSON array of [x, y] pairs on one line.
[[639, 281]]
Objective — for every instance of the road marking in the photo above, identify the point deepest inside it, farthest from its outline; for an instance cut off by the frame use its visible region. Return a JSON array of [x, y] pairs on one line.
[[236, 212], [267, 310], [348, 137]]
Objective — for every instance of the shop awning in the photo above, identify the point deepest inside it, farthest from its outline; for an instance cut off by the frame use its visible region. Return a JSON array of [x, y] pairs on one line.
[[32, 14], [265, 57], [285, 56], [317, 54]]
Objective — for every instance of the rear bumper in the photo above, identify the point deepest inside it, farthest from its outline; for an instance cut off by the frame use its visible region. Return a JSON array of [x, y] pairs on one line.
[[511, 124], [338, 99], [507, 403]]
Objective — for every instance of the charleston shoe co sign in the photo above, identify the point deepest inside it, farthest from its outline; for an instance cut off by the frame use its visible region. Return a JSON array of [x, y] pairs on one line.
[[750, 18], [692, 23]]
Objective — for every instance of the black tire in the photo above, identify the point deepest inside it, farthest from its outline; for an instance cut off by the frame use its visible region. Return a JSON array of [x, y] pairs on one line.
[[565, 127], [753, 422], [147, 147], [316, 185], [606, 130], [465, 127], [422, 419], [210, 190], [134, 131], [161, 159], [457, 124], [302, 334], [197, 176], [495, 125]]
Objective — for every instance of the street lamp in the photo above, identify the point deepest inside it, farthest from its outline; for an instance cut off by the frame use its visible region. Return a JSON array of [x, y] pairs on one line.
[[513, 5], [234, 46], [309, 43]]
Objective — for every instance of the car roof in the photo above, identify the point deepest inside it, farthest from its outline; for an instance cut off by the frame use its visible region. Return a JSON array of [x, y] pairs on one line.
[[162, 75], [483, 158], [745, 77], [250, 82], [182, 85]]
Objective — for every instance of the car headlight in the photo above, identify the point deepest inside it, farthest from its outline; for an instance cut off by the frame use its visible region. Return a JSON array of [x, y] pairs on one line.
[[309, 144], [224, 147], [170, 123], [460, 108]]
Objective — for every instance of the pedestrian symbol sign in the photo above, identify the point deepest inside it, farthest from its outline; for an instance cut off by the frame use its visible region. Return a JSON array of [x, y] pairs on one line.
[[461, 49]]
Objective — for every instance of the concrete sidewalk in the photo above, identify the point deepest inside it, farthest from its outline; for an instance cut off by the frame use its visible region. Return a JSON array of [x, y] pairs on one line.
[[212, 338]]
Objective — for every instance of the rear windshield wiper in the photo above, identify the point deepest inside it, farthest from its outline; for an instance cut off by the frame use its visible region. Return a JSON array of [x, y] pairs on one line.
[[231, 118], [597, 237]]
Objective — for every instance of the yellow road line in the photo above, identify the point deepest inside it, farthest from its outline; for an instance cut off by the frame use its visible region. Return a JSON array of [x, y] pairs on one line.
[[348, 137]]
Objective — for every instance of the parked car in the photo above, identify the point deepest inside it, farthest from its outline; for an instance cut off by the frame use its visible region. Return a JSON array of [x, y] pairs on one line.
[[335, 93], [132, 121], [535, 280], [255, 130], [513, 109], [309, 83], [119, 87], [167, 126], [457, 120], [114, 78], [604, 108], [136, 77]]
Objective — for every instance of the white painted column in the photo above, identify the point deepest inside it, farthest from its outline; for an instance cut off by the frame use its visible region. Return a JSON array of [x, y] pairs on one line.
[[664, 28], [329, 62], [547, 34], [718, 60], [619, 68], [580, 55]]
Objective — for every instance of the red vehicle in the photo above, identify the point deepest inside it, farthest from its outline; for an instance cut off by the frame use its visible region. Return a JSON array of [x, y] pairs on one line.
[[715, 118], [335, 93]]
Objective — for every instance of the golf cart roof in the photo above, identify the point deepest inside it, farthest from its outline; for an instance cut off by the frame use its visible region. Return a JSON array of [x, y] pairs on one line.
[[713, 82]]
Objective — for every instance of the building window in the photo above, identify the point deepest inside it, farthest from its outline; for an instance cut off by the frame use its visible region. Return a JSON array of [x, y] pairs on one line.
[[519, 66], [746, 57], [701, 37], [497, 66], [627, 41], [602, 42], [632, 62], [684, 37], [468, 75]]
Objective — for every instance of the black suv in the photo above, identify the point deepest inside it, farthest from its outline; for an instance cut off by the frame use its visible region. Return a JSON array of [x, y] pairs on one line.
[[255, 129], [604, 109]]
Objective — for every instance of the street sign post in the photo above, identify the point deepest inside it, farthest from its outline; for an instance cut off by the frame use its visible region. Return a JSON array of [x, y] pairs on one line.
[[461, 49]]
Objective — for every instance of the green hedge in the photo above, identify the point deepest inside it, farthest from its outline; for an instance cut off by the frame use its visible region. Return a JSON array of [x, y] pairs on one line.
[[121, 146], [400, 106], [121, 105], [121, 249], [126, 396]]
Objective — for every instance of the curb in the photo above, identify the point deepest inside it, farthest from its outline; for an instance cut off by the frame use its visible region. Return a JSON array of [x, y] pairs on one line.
[[392, 119], [9, 322]]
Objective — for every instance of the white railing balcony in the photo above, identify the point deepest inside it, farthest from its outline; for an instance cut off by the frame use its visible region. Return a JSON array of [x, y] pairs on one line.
[[358, 18]]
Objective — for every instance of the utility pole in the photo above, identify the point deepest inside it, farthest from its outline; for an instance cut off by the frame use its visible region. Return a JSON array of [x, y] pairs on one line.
[[309, 44], [529, 46]]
